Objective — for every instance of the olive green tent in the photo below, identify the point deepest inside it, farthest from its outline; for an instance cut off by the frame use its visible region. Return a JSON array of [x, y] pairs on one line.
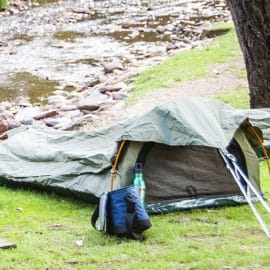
[[177, 142]]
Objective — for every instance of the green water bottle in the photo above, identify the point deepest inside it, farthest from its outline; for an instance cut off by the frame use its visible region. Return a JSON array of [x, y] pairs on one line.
[[138, 182], [142, 188]]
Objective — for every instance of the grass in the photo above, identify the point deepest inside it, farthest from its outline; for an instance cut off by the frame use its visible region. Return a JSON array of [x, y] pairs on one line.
[[238, 98], [46, 226], [3, 3], [189, 65]]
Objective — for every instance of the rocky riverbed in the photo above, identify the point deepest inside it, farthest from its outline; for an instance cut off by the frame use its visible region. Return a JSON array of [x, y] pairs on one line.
[[64, 63]]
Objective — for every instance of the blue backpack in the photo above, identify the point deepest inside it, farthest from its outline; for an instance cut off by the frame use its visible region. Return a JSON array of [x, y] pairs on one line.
[[121, 213]]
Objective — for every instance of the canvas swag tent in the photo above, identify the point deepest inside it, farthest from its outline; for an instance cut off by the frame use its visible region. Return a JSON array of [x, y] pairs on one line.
[[178, 144]]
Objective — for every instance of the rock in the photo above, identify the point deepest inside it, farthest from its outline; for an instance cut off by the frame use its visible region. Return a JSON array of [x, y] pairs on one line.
[[74, 101], [171, 47], [110, 67], [82, 10], [3, 136], [160, 29], [77, 122], [182, 45], [210, 33], [13, 11], [147, 55], [119, 106], [108, 88], [126, 25], [51, 122], [117, 72], [83, 88], [186, 40], [7, 123], [119, 96], [216, 72], [127, 38], [3, 125], [72, 20], [12, 123], [174, 37], [93, 82], [60, 87], [54, 100], [74, 95], [73, 114], [67, 108], [85, 112], [58, 122], [79, 243], [95, 98], [71, 85], [46, 114], [60, 93], [6, 105], [169, 28], [24, 104], [26, 115], [12, 52], [88, 107]]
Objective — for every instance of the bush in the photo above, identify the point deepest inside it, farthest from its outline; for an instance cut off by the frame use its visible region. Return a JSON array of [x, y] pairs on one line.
[[3, 3]]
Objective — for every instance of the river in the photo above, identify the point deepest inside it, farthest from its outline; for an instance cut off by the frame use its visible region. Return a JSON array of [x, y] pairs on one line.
[[56, 43]]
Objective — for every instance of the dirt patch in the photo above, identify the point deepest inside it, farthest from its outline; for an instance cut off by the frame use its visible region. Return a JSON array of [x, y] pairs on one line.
[[225, 77]]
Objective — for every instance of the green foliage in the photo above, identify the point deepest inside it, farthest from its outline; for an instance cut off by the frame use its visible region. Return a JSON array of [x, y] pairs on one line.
[[3, 3], [46, 226], [189, 65]]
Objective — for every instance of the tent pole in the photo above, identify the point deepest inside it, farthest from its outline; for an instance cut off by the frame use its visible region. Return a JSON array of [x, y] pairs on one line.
[[235, 173], [114, 167]]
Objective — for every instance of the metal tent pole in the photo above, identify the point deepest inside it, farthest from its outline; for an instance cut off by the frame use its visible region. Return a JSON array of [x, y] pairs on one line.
[[236, 173]]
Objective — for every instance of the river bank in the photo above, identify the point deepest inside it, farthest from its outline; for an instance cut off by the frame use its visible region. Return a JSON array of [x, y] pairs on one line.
[[67, 63]]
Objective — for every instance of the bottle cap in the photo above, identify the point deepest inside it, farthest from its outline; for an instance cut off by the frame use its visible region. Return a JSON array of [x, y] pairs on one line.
[[138, 167]]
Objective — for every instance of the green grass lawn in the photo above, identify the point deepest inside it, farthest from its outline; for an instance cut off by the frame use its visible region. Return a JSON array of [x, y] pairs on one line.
[[46, 226]]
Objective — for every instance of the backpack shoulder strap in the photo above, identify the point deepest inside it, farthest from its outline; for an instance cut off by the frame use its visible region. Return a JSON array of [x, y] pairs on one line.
[[131, 218], [100, 213], [94, 216]]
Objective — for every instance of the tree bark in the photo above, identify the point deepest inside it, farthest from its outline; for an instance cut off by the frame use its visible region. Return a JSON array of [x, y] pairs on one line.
[[252, 23]]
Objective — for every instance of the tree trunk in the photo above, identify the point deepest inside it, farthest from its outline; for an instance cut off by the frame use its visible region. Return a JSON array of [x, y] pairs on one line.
[[252, 23]]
